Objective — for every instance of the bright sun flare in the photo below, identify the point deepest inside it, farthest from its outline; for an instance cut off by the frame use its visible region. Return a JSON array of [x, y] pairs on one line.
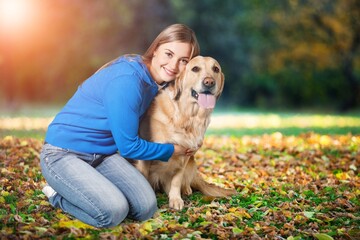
[[15, 14]]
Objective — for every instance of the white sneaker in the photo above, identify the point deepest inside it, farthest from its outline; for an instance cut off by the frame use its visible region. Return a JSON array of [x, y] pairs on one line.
[[48, 191]]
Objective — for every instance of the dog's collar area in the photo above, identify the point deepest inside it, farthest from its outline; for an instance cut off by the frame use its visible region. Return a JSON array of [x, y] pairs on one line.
[[194, 94], [163, 85]]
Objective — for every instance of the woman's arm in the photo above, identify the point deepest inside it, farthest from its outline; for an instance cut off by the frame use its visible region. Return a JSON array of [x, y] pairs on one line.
[[122, 102]]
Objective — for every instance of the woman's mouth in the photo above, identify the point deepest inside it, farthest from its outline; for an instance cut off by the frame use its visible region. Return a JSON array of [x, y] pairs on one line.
[[169, 72]]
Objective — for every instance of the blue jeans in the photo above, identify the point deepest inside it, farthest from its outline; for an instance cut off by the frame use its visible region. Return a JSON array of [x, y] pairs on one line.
[[101, 196]]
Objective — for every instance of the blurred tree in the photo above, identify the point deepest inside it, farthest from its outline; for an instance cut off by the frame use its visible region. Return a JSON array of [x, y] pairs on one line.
[[69, 41], [321, 40], [216, 26], [288, 53]]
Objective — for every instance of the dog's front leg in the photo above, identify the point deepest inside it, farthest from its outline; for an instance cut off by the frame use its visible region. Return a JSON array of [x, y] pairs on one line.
[[175, 200]]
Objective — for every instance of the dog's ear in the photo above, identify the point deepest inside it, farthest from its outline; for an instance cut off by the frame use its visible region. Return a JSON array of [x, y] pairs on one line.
[[221, 85], [179, 84]]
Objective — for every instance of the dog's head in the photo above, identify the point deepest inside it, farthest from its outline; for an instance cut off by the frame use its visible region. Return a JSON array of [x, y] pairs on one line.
[[202, 81]]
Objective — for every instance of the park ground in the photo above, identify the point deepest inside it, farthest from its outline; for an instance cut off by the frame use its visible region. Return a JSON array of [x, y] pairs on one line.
[[296, 174]]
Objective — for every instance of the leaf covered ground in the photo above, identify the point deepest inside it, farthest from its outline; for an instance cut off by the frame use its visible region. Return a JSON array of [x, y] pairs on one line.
[[289, 187]]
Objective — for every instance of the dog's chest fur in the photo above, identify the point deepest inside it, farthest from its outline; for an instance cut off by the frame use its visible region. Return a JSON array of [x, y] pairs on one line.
[[185, 122]]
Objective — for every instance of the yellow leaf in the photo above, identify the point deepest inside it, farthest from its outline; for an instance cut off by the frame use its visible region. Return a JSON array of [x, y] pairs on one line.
[[309, 214], [299, 218], [342, 176], [357, 192], [205, 223], [146, 228], [282, 192], [241, 213], [294, 238], [208, 214], [73, 223], [5, 193], [325, 140], [237, 230], [8, 138], [323, 236], [287, 213], [44, 203], [233, 209]]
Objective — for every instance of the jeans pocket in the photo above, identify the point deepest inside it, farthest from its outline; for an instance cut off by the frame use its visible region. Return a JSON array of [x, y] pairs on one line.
[[51, 154]]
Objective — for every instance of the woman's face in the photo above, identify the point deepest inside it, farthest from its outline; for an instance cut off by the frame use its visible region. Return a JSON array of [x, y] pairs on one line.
[[168, 60]]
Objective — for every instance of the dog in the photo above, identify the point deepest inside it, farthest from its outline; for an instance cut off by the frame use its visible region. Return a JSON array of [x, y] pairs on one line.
[[180, 114]]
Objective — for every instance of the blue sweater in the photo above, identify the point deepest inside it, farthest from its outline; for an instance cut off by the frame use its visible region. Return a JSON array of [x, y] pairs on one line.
[[103, 115]]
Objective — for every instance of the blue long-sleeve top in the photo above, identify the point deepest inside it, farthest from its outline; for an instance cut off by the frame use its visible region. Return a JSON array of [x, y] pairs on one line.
[[103, 115]]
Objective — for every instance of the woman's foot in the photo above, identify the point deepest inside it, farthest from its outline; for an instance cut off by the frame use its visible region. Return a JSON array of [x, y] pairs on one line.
[[48, 191]]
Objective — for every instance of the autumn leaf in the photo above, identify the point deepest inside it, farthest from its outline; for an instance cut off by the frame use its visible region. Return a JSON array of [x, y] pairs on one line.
[[289, 187], [322, 236]]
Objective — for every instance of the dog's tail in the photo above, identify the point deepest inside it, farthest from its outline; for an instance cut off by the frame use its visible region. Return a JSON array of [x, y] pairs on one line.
[[210, 189]]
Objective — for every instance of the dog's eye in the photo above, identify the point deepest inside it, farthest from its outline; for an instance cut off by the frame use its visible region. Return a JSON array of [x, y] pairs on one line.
[[195, 69], [216, 69]]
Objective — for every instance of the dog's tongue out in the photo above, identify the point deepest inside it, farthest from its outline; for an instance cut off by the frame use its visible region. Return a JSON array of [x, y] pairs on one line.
[[206, 100]]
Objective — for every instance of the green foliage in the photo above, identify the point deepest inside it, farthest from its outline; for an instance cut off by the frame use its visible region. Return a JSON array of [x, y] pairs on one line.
[[274, 54], [289, 53]]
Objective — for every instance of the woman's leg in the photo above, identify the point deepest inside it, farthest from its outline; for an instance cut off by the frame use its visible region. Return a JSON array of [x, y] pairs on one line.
[[82, 191], [139, 193]]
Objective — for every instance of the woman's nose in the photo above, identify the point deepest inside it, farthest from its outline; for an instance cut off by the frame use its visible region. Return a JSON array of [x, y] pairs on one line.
[[174, 64]]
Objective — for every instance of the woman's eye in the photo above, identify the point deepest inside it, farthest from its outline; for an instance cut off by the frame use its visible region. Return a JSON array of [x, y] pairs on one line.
[[184, 62], [168, 54]]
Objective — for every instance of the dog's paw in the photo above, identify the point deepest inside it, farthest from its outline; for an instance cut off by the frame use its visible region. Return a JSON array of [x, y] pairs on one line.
[[176, 203], [187, 191]]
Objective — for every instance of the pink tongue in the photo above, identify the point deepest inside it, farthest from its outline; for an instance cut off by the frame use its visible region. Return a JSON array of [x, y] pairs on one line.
[[206, 100]]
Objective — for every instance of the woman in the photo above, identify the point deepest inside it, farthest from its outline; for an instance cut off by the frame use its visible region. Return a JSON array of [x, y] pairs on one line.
[[83, 158]]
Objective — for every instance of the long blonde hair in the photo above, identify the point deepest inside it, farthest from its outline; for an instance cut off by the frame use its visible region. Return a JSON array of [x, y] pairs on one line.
[[176, 32]]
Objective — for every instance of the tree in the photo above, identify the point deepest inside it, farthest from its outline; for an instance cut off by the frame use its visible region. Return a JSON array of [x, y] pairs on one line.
[[281, 53], [324, 36]]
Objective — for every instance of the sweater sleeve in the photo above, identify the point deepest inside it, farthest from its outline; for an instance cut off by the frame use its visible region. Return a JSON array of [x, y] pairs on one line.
[[122, 101]]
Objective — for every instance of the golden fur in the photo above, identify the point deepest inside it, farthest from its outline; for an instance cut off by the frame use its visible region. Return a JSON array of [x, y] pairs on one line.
[[175, 116]]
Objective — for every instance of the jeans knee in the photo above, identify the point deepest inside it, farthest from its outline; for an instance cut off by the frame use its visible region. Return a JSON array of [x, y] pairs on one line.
[[149, 212], [113, 216], [145, 210]]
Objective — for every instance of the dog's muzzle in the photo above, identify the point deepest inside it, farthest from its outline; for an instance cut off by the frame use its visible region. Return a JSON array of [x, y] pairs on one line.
[[205, 100]]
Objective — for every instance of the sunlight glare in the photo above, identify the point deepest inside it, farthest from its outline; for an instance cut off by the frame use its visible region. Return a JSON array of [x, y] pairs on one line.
[[15, 14]]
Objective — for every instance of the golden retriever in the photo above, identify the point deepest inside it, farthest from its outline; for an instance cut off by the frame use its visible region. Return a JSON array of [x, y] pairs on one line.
[[180, 114]]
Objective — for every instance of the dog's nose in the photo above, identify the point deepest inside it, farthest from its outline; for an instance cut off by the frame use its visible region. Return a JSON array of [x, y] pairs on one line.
[[209, 82]]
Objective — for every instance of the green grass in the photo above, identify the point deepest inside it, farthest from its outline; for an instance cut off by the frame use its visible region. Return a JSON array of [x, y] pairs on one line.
[[231, 123], [37, 134], [238, 132], [289, 187]]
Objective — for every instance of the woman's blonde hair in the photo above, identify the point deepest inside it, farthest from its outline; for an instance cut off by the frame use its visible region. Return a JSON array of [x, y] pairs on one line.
[[173, 33]]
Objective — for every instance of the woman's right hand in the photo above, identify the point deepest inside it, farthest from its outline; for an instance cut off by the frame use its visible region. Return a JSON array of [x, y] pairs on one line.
[[180, 150]]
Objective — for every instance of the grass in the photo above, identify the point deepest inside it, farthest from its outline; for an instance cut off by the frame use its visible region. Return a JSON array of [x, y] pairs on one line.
[[297, 177], [32, 121], [289, 187], [238, 132]]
